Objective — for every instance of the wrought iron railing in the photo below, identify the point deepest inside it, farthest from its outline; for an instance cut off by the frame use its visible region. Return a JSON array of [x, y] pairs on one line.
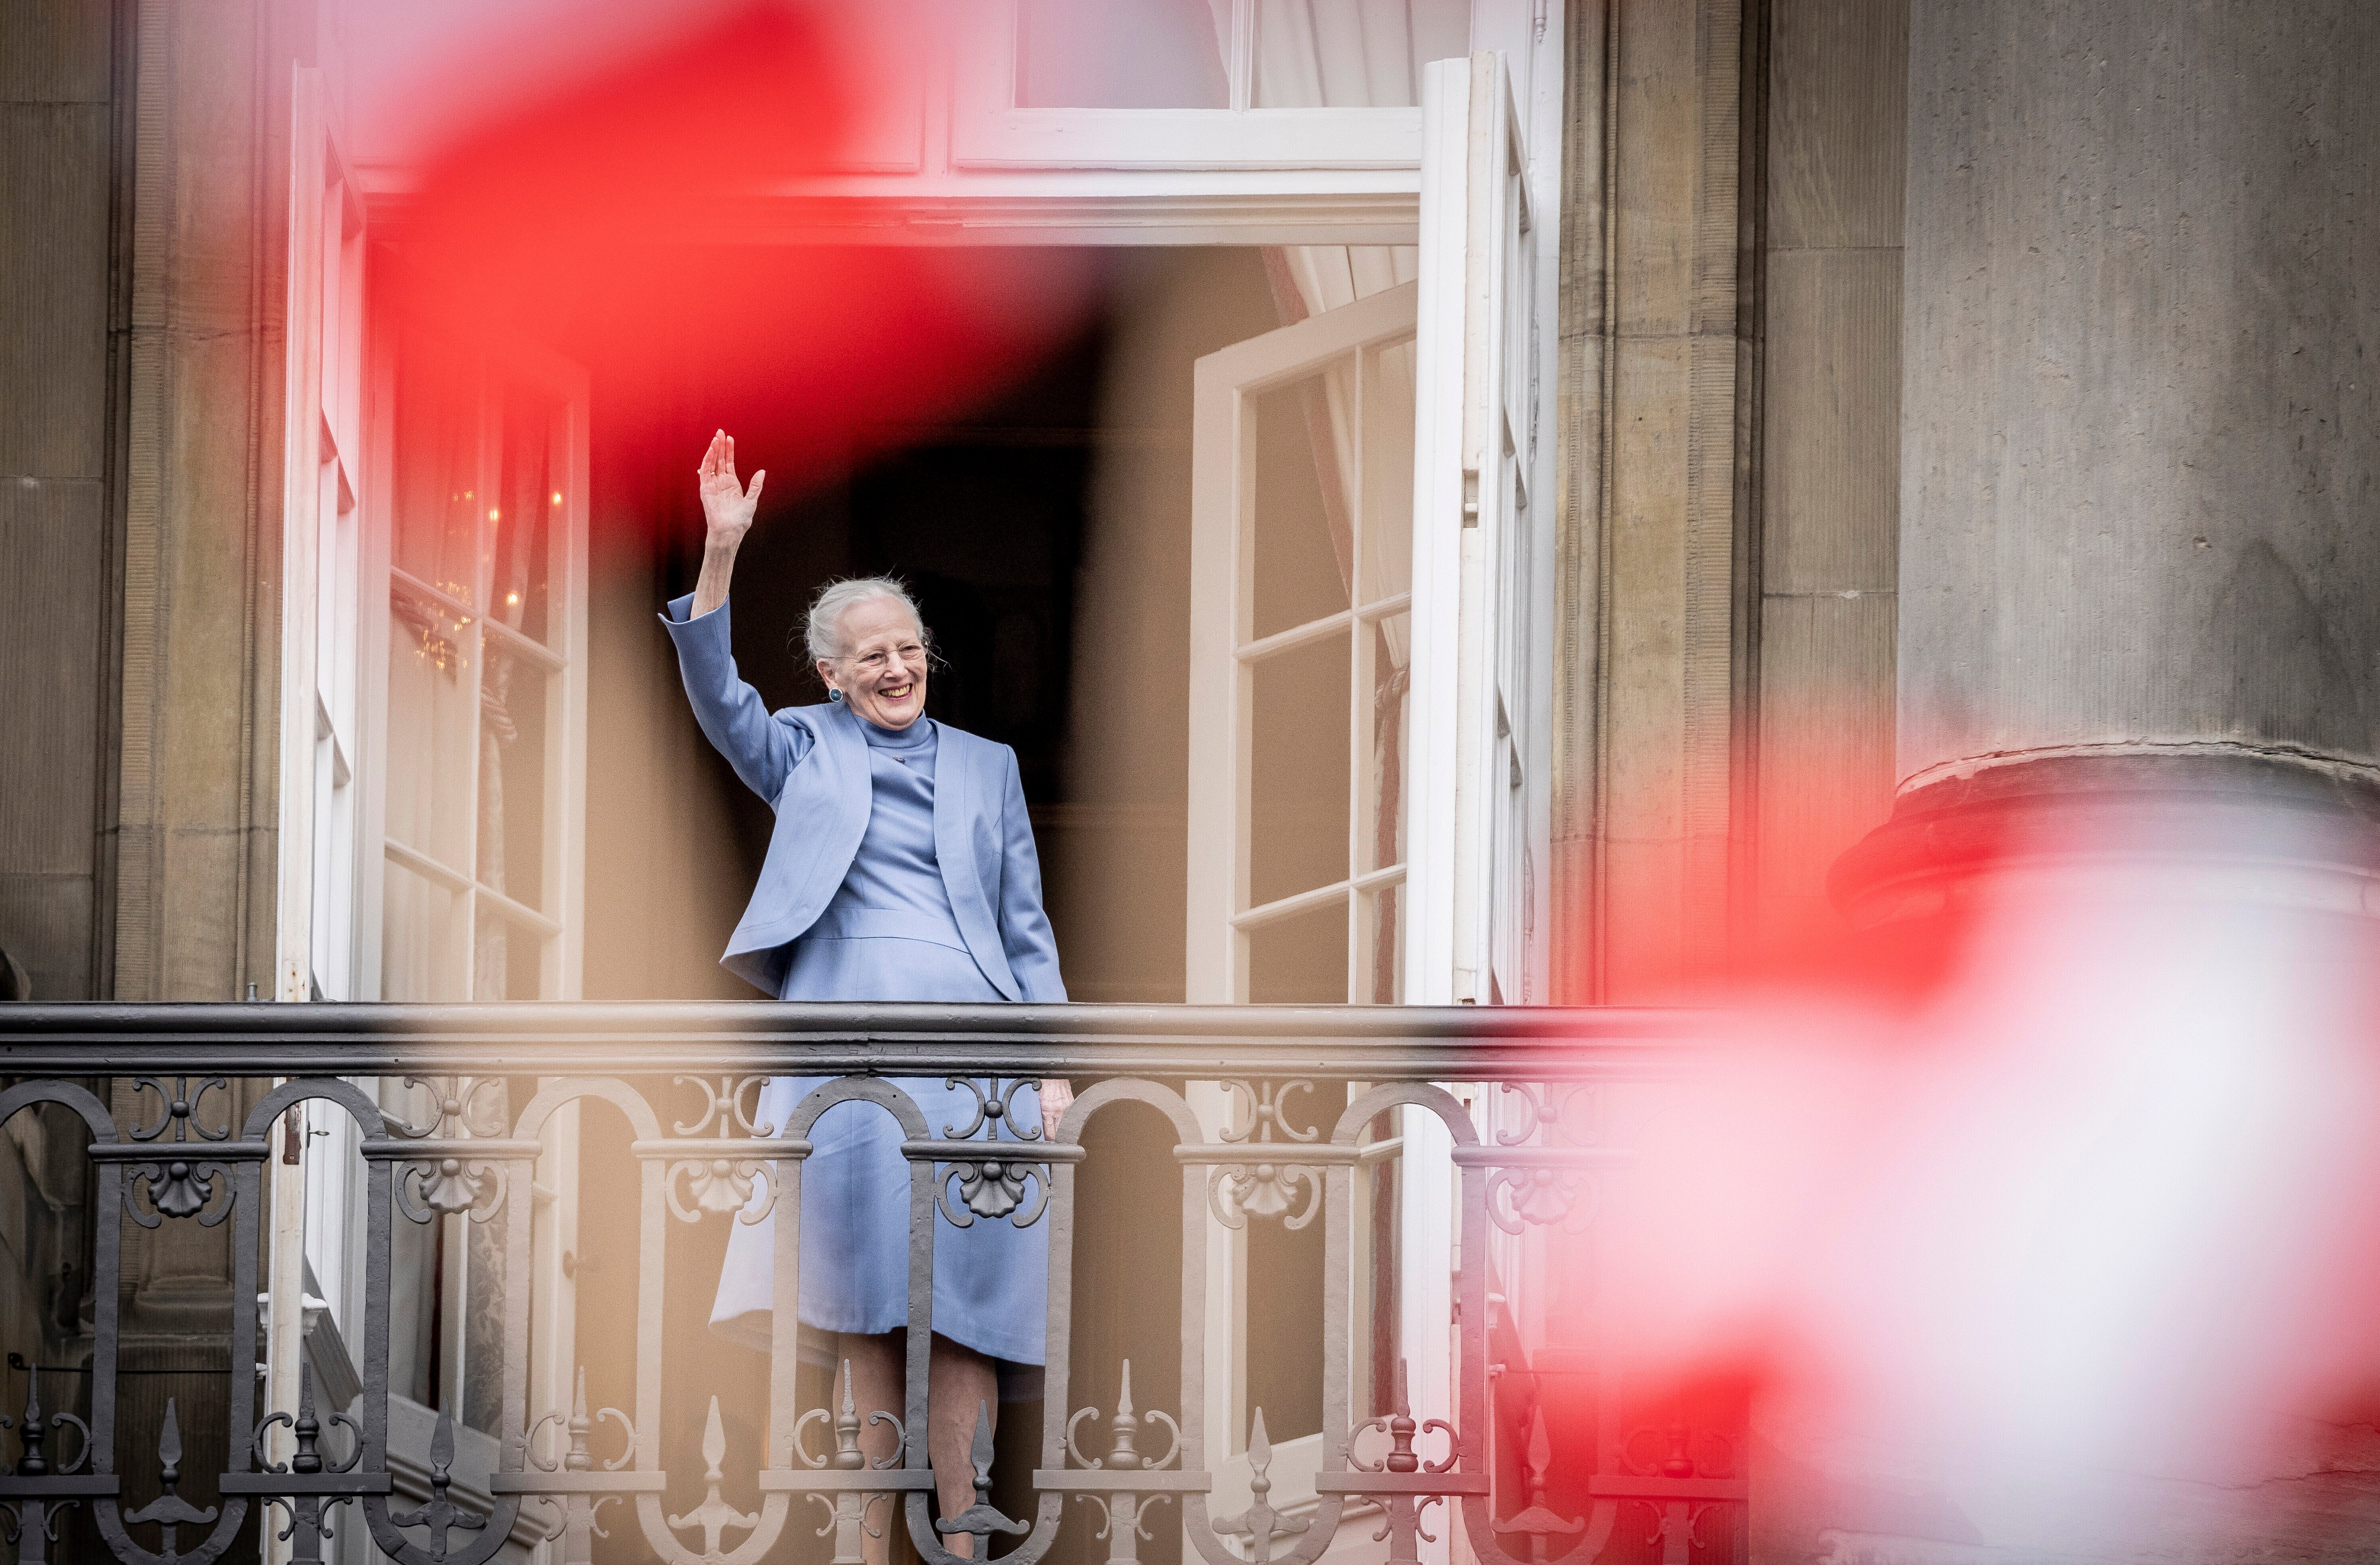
[[151, 1086]]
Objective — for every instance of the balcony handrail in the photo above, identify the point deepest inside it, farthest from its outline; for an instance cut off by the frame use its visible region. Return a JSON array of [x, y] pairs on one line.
[[177, 1142], [1334, 1042]]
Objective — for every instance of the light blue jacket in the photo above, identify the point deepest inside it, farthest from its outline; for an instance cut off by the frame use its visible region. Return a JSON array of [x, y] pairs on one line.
[[811, 764]]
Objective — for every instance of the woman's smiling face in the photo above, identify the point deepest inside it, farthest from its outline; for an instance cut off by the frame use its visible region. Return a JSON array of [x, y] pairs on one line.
[[882, 671]]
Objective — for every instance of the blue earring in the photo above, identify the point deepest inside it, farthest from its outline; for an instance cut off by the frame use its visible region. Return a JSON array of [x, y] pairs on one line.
[[834, 694]]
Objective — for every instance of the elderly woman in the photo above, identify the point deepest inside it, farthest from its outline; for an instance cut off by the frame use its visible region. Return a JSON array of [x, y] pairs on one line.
[[901, 868]]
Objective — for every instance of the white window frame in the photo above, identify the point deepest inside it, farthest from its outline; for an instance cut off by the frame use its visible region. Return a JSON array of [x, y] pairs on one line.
[[1226, 652], [1480, 772], [562, 657], [315, 936], [315, 941], [1482, 553]]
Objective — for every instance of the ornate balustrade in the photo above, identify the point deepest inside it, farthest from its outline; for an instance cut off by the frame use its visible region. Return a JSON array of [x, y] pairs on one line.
[[1303, 1086]]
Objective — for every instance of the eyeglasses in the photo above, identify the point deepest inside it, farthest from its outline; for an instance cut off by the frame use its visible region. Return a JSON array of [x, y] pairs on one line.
[[877, 662]]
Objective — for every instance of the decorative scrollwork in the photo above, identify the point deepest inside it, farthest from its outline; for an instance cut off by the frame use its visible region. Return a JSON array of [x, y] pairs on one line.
[[577, 1426], [447, 1186], [459, 1107], [1236, 1191], [170, 1511], [307, 1525], [307, 1430], [440, 1513], [1400, 1427], [999, 1105], [847, 1457], [33, 1434], [181, 1107], [982, 1519], [177, 1187], [993, 1188], [714, 1515], [1677, 1443], [1260, 1523], [1677, 1527], [1124, 1455], [721, 1185], [1268, 1106], [1549, 1116], [42, 1516], [725, 1104], [1519, 1198], [1537, 1520], [1267, 1189]]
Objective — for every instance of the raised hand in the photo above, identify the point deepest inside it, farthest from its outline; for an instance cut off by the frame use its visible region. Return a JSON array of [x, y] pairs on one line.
[[727, 508], [727, 505]]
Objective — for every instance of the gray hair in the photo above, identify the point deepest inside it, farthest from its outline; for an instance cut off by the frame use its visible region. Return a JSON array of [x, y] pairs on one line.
[[824, 631]]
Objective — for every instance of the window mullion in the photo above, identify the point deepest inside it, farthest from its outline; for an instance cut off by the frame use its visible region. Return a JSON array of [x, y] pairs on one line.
[[1244, 54]]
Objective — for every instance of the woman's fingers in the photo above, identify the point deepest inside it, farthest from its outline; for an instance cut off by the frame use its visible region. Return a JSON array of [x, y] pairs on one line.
[[1057, 1097], [752, 495], [719, 457]]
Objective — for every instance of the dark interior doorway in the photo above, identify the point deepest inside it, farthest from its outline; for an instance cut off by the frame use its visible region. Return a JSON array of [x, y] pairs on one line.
[[1045, 527], [984, 517]]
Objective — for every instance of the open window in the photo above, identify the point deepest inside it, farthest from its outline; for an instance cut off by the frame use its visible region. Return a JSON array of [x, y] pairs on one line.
[[473, 606], [1367, 566], [1301, 643], [1366, 772], [479, 596]]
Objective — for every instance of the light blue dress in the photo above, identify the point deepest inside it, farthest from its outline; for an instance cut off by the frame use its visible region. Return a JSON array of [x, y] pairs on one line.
[[889, 934]]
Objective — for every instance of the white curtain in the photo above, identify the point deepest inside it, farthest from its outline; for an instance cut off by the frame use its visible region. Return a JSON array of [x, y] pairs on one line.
[[1351, 53]]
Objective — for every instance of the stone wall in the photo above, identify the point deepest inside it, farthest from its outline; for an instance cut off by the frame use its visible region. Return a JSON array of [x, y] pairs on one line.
[[61, 317]]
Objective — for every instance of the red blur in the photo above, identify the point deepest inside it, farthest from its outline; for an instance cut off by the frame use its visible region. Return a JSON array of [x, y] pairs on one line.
[[2075, 1175], [619, 191]]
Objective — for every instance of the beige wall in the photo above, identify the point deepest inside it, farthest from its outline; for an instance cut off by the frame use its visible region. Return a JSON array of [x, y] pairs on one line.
[[1728, 376], [1829, 445], [59, 397], [1656, 376], [201, 507]]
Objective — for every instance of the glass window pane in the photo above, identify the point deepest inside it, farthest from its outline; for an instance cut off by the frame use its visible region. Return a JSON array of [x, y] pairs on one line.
[[432, 702], [1382, 957], [1300, 960], [529, 498], [1386, 566], [1122, 54], [420, 938], [437, 471], [1353, 53], [1380, 841], [513, 702], [508, 959], [1304, 541], [1297, 781]]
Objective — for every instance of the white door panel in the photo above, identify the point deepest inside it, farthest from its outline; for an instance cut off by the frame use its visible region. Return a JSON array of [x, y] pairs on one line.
[[1478, 768]]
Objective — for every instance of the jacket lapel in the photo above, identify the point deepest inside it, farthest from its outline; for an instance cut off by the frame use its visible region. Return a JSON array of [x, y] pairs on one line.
[[854, 788], [954, 850]]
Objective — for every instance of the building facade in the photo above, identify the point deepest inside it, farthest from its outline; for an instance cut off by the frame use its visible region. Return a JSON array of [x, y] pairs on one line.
[[1529, 502]]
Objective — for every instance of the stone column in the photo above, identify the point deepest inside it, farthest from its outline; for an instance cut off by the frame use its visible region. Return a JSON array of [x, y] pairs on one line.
[[2140, 547]]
